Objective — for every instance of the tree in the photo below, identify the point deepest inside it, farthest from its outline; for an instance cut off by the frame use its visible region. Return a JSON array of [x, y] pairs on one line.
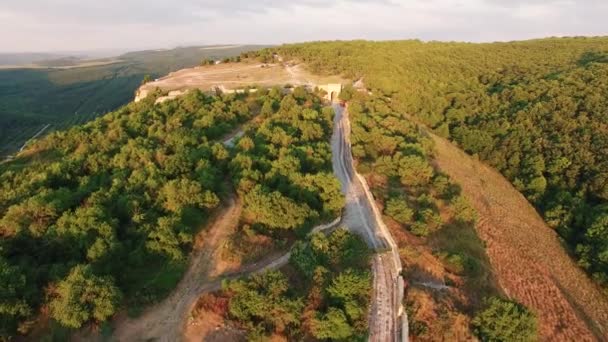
[[263, 298], [303, 258], [414, 170], [178, 193], [504, 320], [463, 211], [13, 306], [350, 285], [83, 296], [332, 325], [275, 210], [398, 209], [147, 78], [593, 251]]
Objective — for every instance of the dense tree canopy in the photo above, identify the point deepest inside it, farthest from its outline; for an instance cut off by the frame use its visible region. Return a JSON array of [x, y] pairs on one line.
[[110, 208], [82, 296], [504, 320], [282, 165], [536, 110]]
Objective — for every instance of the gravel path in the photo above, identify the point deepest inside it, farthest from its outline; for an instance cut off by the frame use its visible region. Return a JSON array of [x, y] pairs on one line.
[[388, 320]]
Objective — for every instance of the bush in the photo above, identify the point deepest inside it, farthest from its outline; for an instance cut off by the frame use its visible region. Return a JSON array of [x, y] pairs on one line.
[[83, 296], [505, 320], [398, 209], [463, 211], [419, 228]]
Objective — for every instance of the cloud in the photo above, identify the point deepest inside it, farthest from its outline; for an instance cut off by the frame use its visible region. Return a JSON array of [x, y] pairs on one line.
[[36, 25]]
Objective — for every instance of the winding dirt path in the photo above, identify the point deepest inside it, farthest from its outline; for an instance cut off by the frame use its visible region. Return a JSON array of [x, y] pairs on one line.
[[165, 320]]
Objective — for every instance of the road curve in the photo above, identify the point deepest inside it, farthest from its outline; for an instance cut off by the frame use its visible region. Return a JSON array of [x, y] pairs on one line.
[[388, 320], [166, 321]]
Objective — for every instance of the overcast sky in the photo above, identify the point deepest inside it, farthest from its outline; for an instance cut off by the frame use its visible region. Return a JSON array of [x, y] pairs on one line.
[[81, 25]]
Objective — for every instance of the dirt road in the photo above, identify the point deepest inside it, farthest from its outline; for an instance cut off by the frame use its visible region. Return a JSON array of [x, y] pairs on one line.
[[388, 320], [165, 320]]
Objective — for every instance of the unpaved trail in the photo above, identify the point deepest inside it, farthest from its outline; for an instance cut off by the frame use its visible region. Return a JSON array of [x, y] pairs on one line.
[[388, 320], [165, 320], [530, 263], [33, 137]]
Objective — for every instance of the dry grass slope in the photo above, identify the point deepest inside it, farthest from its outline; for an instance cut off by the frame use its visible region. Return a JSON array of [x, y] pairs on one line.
[[530, 263]]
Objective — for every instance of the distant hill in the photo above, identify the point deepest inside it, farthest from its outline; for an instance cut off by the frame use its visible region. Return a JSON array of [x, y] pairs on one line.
[[26, 58], [63, 90]]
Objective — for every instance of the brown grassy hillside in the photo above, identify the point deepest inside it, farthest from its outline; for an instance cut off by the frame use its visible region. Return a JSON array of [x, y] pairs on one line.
[[530, 263]]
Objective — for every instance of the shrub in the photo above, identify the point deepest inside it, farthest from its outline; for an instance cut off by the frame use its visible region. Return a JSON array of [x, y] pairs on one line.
[[398, 209], [463, 211], [419, 228], [505, 320]]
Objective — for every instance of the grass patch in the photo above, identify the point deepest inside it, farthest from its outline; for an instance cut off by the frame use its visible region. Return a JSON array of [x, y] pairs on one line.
[[149, 285], [463, 253]]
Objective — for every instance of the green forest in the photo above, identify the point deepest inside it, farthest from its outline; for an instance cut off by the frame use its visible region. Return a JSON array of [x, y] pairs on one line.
[[536, 110], [111, 207], [282, 166], [107, 211]]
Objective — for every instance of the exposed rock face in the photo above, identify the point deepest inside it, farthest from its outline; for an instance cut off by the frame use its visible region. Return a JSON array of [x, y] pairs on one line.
[[172, 94], [140, 94]]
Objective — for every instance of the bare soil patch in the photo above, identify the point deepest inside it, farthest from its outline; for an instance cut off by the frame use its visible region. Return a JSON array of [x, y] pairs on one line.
[[530, 263], [209, 326], [229, 76]]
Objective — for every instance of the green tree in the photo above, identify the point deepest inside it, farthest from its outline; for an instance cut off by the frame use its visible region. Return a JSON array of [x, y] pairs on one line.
[[147, 78], [275, 210], [83, 296], [414, 171], [398, 209], [13, 306], [463, 211], [178, 193], [504, 320], [332, 325]]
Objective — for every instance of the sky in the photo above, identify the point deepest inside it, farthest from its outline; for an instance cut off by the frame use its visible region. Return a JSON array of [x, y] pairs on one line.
[[85, 25]]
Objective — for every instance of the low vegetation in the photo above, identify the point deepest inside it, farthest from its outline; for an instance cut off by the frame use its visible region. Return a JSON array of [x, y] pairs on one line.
[[323, 294]]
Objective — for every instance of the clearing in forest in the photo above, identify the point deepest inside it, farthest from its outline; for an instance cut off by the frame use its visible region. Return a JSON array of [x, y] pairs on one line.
[[228, 76]]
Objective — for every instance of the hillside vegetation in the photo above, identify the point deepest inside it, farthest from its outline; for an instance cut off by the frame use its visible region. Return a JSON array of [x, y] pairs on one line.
[[110, 208], [536, 110], [432, 221], [32, 98]]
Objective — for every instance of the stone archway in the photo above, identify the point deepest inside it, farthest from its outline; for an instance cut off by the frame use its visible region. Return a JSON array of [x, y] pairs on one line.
[[332, 90]]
